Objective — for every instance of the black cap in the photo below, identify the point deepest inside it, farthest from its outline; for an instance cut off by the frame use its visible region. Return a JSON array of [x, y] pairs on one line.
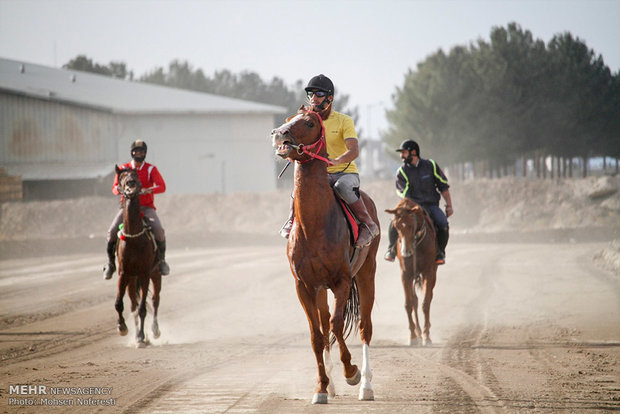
[[409, 145], [321, 83]]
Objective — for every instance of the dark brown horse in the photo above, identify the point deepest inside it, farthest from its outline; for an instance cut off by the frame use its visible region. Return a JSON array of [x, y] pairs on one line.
[[415, 249], [137, 259], [320, 251]]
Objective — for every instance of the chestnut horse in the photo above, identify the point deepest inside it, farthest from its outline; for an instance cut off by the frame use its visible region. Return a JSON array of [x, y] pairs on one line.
[[415, 249], [137, 259], [320, 250]]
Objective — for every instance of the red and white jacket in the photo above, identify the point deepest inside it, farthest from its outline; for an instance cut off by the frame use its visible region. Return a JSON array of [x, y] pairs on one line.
[[150, 179]]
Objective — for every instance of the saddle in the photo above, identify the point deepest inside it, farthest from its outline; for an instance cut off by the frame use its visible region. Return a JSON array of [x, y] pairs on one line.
[[351, 220]]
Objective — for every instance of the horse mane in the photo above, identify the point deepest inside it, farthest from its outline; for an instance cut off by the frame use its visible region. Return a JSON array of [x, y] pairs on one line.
[[409, 204]]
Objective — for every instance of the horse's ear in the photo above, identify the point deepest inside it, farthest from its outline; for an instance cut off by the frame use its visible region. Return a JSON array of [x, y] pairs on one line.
[[302, 109], [390, 211], [118, 170]]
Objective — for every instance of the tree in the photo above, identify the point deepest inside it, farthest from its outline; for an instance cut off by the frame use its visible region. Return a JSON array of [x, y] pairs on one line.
[[494, 102], [114, 69], [245, 85]]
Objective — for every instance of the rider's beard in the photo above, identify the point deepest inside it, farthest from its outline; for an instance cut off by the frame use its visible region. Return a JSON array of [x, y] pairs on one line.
[[139, 159], [327, 108]]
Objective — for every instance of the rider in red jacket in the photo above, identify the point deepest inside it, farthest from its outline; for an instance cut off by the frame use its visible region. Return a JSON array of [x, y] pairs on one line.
[[152, 183]]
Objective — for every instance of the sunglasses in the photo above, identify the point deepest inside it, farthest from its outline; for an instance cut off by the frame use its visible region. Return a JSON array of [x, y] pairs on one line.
[[320, 94]]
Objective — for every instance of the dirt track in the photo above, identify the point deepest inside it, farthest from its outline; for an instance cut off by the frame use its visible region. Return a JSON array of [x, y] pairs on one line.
[[517, 327]]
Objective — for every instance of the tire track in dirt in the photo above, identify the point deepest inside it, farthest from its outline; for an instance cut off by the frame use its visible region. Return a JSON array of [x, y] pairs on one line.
[[55, 275], [461, 362], [215, 387]]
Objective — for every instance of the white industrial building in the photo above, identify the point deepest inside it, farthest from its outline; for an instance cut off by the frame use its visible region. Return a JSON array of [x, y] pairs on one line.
[[62, 131]]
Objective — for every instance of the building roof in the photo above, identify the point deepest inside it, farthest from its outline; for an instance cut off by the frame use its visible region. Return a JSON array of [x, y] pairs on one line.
[[116, 95]]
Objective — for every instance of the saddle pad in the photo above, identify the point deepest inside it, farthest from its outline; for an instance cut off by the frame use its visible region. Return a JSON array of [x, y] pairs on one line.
[[353, 226]]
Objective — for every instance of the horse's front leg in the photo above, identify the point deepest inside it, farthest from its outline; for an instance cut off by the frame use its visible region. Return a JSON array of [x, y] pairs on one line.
[[366, 284], [144, 291], [411, 308], [156, 290], [428, 285], [308, 302], [323, 308], [118, 304], [341, 295]]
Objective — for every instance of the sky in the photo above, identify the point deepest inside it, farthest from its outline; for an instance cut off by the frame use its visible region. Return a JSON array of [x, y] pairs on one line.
[[365, 46]]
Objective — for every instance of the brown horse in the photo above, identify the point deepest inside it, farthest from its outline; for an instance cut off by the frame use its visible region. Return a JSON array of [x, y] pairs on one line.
[[416, 248], [137, 259], [320, 250]]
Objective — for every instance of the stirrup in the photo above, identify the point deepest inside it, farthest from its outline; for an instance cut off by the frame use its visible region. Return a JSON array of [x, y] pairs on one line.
[[390, 255], [362, 239], [164, 269]]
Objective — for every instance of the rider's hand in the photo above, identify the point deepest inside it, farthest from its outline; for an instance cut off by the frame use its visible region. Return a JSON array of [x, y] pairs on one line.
[[146, 191], [449, 211]]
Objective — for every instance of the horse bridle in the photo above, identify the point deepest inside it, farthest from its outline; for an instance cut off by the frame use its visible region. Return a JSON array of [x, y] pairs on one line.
[[306, 149], [418, 237], [124, 190], [127, 195]]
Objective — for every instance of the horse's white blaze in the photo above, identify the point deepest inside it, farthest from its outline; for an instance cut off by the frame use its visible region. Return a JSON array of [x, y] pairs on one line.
[[404, 252], [366, 392]]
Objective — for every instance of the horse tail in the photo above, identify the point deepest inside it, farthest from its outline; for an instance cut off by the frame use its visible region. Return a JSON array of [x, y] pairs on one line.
[[351, 312]]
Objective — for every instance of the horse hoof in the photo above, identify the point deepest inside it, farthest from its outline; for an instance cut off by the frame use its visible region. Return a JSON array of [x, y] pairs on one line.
[[366, 394], [156, 332], [355, 379], [427, 342], [414, 341], [319, 398], [122, 330], [141, 344]]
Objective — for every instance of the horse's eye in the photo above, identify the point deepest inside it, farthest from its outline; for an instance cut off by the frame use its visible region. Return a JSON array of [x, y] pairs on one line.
[[310, 124]]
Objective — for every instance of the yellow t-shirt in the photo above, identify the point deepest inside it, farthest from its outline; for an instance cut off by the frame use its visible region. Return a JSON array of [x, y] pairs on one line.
[[339, 127]]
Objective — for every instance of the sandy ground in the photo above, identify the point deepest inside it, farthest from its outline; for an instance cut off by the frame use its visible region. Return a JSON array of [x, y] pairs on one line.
[[523, 321], [517, 327]]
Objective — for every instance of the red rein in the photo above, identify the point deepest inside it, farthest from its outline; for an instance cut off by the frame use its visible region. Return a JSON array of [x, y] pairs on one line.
[[320, 142]]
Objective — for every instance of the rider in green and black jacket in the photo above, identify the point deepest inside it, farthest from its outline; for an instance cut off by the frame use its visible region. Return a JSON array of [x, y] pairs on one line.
[[424, 182]]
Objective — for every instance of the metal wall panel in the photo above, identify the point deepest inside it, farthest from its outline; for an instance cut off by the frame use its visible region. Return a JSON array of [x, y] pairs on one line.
[[39, 131], [206, 153]]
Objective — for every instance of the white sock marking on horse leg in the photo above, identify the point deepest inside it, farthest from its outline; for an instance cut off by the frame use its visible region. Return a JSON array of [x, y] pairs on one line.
[[327, 359], [366, 392]]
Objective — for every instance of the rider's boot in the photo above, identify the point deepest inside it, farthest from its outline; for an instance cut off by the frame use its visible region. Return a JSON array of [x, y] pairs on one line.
[[285, 231], [110, 267], [390, 255], [164, 269], [369, 229], [443, 234]]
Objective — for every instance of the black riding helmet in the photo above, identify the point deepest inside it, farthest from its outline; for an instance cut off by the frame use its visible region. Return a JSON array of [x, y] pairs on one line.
[[321, 83], [409, 145], [138, 144]]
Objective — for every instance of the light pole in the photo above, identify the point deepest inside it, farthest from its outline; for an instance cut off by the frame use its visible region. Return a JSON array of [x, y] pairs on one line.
[[369, 111]]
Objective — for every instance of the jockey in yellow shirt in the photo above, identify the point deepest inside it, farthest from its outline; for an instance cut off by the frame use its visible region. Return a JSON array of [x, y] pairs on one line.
[[342, 150]]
